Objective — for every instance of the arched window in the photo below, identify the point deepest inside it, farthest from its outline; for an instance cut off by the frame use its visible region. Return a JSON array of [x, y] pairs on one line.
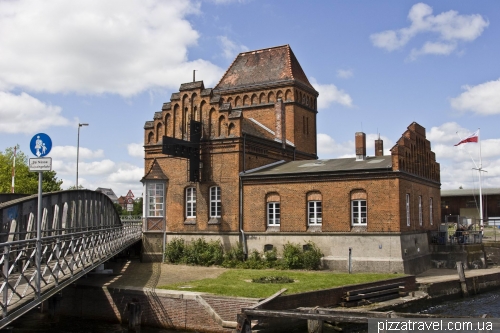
[[190, 202], [221, 126], [230, 130], [420, 215], [150, 137], [254, 99], [168, 124], [408, 221], [273, 209], [314, 208], [246, 100], [158, 132], [211, 123], [288, 95], [270, 97], [431, 220], [176, 122], [237, 101], [262, 98], [215, 202], [358, 208], [279, 94]]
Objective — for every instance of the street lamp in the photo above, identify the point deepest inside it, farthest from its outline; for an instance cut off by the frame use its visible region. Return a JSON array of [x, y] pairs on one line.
[[78, 151]]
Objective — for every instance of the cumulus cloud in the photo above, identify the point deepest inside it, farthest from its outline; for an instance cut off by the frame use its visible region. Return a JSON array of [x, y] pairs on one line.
[[482, 99], [94, 47], [69, 153], [344, 73], [94, 168], [229, 48], [126, 173], [449, 28], [25, 114], [329, 93], [135, 149]]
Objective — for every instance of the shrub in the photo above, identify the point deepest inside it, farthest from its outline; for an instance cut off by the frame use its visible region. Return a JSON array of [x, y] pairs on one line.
[[174, 250], [293, 257], [203, 253], [271, 257], [312, 257], [234, 257]]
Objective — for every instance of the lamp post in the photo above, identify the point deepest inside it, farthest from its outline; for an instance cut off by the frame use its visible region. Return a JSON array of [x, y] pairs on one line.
[[78, 151]]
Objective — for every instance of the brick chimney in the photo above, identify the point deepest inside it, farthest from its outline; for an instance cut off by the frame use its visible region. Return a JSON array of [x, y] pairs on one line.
[[379, 147], [279, 109], [360, 146]]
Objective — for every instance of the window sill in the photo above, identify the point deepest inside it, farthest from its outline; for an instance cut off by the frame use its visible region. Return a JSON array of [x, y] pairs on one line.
[[190, 221], [314, 228], [214, 220], [273, 228]]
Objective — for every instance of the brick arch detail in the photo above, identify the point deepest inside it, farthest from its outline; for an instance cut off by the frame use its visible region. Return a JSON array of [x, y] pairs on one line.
[[314, 196], [358, 194], [273, 197]]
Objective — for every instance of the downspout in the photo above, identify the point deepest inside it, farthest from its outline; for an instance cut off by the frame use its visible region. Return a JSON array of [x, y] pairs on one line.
[[243, 240]]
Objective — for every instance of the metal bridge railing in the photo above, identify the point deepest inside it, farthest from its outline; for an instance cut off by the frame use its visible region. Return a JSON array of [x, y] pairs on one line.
[[80, 230]]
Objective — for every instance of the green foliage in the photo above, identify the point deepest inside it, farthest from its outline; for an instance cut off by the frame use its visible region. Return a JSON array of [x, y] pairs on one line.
[[312, 257], [174, 250], [200, 252], [137, 207], [293, 256], [119, 209], [234, 257], [26, 182]]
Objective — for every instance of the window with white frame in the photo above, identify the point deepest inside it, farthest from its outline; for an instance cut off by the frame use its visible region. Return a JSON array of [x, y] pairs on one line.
[[358, 212], [190, 202], [314, 212], [420, 218], [273, 213], [408, 209], [156, 199], [430, 211], [215, 202]]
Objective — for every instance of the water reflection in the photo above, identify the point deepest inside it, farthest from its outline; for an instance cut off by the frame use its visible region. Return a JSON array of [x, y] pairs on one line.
[[476, 306]]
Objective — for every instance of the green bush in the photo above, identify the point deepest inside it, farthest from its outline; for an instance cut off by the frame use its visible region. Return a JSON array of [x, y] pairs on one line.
[[271, 257], [174, 250], [293, 257], [203, 253], [312, 257], [235, 257]]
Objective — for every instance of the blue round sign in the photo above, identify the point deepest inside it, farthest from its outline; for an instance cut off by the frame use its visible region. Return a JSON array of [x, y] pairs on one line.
[[40, 144]]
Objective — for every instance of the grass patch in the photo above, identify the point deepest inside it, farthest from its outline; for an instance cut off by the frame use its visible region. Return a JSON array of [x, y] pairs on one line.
[[237, 282]]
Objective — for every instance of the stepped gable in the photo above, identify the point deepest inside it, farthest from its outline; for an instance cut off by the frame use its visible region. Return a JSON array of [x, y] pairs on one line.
[[266, 66]]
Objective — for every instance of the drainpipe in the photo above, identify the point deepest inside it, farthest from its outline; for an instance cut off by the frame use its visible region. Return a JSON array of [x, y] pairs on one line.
[[243, 240]]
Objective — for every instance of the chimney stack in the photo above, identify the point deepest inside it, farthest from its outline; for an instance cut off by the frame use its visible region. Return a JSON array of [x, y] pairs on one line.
[[279, 109], [379, 147], [360, 146]]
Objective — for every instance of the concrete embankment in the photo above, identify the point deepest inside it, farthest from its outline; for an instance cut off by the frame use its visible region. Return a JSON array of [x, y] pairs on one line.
[[106, 297]]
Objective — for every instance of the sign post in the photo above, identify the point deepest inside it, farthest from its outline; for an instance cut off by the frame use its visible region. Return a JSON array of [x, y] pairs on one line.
[[40, 145]]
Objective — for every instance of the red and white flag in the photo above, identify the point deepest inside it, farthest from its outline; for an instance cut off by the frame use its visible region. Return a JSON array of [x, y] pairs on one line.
[[474, 137]]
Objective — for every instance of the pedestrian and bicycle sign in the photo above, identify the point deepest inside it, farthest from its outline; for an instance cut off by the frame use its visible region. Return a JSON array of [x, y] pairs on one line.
[[40, 146]]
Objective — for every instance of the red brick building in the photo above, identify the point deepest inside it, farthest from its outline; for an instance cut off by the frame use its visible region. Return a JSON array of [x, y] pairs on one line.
[[260, 181]]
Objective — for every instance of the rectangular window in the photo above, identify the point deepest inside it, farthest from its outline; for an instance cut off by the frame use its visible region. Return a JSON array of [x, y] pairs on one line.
[[190, 202], [420, 210], [215, 202], [408, 210], [358, 212], [431, 221], [273, 213], [314, 212], [156, 199]]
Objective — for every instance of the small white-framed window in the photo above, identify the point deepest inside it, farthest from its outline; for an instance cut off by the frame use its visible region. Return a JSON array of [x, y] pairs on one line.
[[408, 222], [215, 201], [420, 217], [156, 199], [431, 220], [358, 212], [314, 212], [273, 213], [190, 202]]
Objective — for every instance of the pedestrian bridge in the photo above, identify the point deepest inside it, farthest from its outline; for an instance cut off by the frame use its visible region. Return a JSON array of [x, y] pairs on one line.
[[80, 229]]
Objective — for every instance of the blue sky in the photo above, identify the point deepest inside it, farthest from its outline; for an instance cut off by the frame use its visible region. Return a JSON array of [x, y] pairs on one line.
[[378, 66]]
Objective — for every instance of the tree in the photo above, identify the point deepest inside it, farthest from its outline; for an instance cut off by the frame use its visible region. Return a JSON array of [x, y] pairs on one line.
[[119, 209], [137, 207], [26, 182]]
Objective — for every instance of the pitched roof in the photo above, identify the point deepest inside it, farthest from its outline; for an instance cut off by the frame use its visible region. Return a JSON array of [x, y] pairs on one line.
[[267, 66], [324, 166], [155, 172]]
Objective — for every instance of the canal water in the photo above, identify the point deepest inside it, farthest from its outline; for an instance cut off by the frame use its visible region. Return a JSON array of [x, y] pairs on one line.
[[474, 306]]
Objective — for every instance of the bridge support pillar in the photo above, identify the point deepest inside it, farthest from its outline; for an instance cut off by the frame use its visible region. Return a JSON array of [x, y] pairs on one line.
[[134, 316]]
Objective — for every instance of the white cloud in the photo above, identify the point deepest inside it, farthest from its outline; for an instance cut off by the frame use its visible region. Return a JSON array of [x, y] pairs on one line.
[[127, 173], [135, 149], [344, 73], [94, 47], [446, 133], [450, 28], [69, 153], [229, 48], [481, 99], [94, 168], [329, 93], [26, 114]]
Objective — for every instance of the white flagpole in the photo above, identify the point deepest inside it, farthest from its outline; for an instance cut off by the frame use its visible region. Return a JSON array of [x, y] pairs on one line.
[[480, 184]]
